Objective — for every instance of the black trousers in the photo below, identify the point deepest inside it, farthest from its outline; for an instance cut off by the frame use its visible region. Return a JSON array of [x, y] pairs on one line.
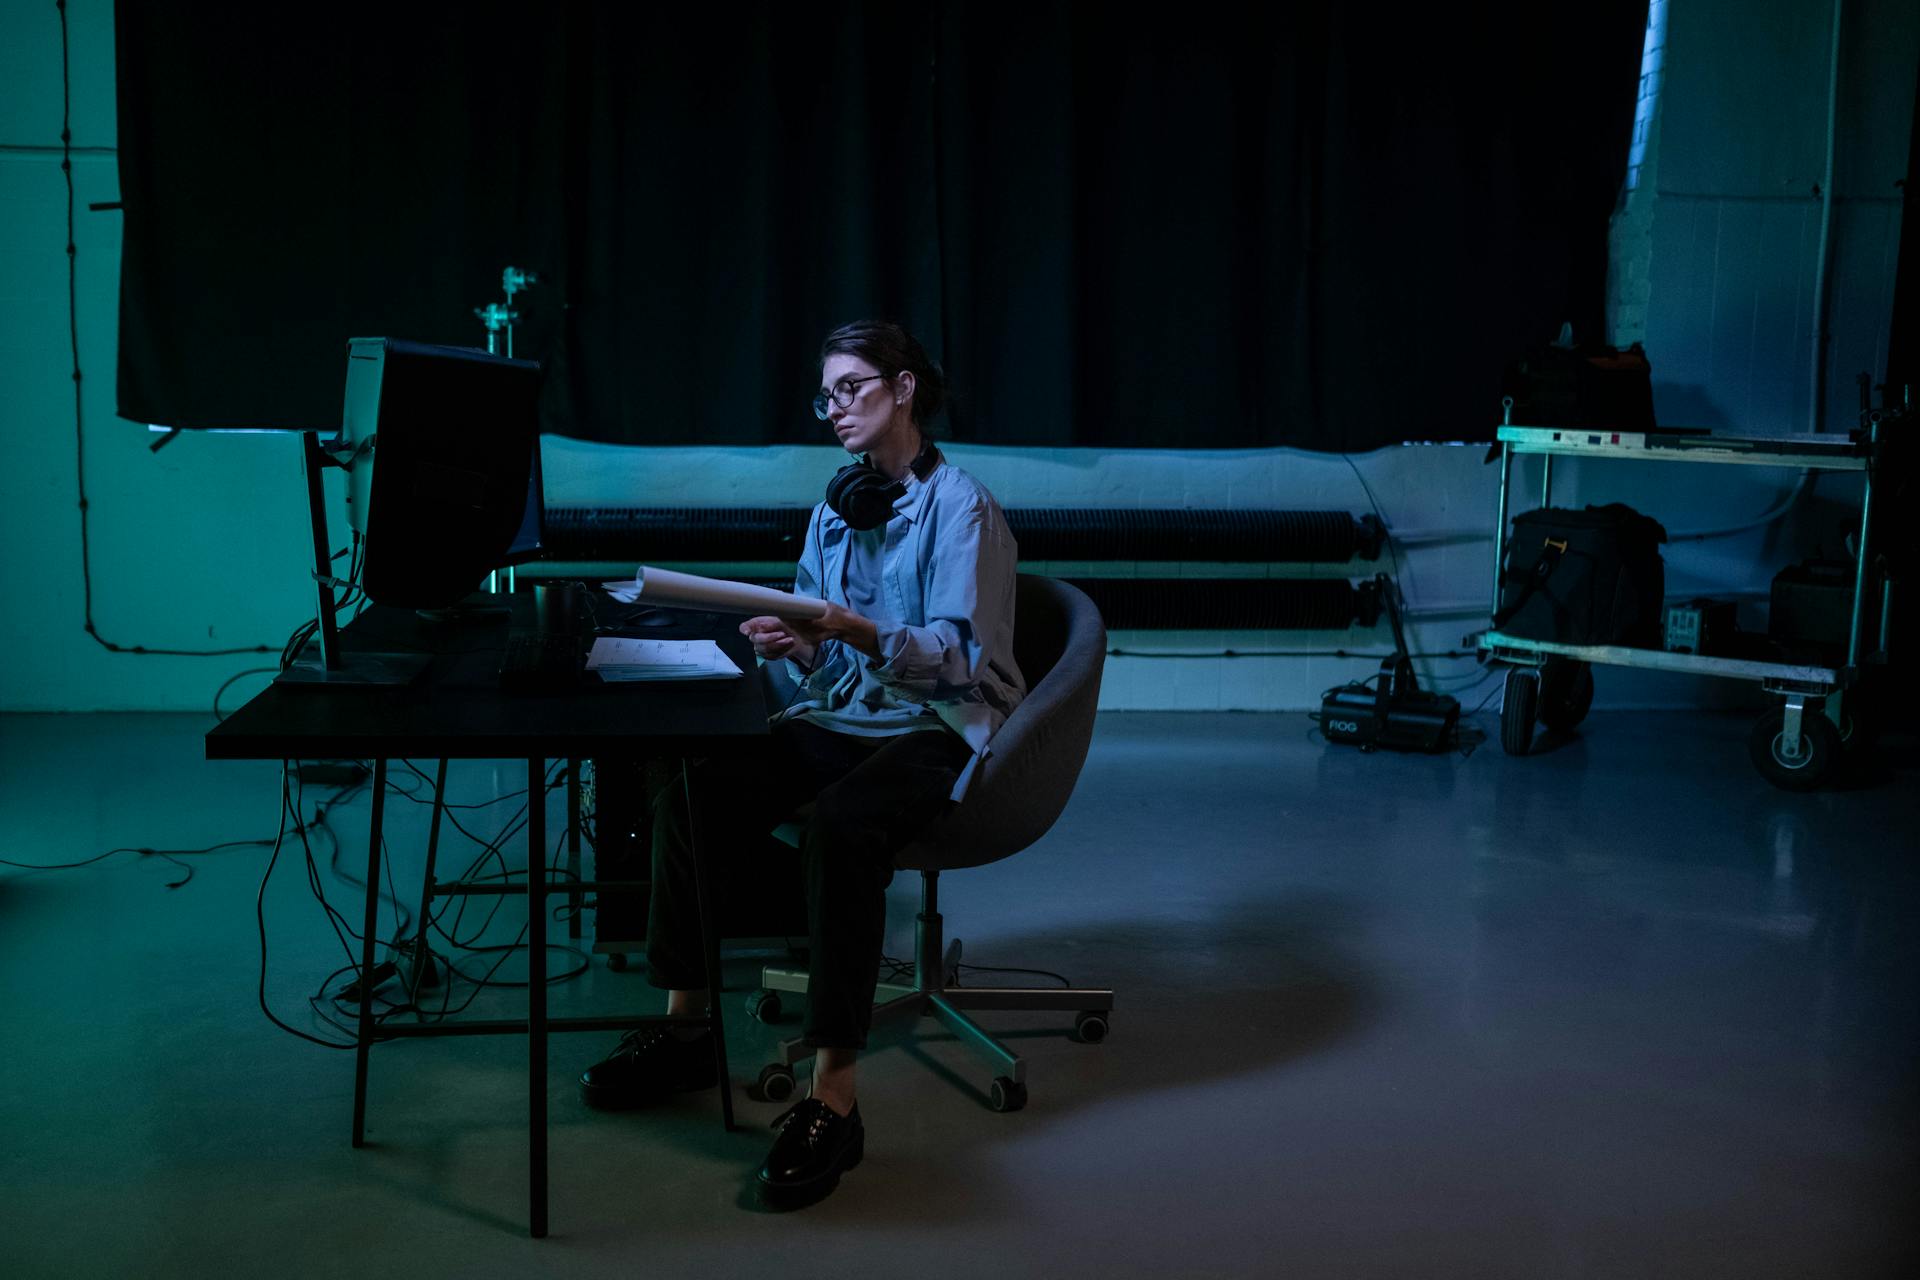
[[871, 796]]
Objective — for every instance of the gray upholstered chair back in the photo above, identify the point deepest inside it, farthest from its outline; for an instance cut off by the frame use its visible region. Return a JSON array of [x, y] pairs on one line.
[[1060, 642]]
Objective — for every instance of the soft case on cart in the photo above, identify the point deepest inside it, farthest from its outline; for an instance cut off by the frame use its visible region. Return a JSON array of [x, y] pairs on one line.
[[1593, 576]]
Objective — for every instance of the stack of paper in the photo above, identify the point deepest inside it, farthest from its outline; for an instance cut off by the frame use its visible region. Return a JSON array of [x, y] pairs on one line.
[[617, 659]]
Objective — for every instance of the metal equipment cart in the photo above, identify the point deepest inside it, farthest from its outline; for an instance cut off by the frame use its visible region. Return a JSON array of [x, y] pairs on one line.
[[1795, 745]]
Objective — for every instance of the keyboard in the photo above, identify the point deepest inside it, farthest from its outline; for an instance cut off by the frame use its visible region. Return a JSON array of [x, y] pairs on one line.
[[536, 659]]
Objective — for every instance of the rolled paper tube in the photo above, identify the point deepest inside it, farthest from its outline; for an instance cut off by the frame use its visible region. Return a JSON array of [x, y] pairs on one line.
[[691, 591]]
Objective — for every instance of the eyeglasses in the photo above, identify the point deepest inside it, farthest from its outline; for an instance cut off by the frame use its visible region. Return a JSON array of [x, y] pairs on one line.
[[842, 394]]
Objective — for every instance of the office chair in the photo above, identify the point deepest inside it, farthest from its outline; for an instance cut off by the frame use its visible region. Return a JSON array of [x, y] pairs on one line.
[[1016, 795]]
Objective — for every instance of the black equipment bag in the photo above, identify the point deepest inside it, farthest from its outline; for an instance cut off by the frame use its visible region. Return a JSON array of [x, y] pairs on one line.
[[1584, 577]]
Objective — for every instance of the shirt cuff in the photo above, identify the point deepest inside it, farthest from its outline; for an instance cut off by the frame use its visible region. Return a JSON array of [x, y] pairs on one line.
[[892, 639]]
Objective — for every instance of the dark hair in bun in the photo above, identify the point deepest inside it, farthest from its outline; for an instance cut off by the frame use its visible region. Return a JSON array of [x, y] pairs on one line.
[[891, 350]]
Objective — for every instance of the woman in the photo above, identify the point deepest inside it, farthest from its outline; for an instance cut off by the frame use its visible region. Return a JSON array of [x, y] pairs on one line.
[[901, 685]]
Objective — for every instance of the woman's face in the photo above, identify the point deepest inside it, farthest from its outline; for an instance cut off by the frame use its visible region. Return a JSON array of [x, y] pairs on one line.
[[872, 415]]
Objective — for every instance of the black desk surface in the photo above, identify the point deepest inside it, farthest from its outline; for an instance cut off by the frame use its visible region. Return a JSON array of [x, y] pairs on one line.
[[457, 710]]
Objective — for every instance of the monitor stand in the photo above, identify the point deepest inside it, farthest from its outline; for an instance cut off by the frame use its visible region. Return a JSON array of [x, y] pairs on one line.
[[322, 664], [310, 668]]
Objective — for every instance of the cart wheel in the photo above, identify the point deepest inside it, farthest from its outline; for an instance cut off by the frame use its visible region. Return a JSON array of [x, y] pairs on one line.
[[617, 961], [1517, 710], [1799, 769], [1566, 693]]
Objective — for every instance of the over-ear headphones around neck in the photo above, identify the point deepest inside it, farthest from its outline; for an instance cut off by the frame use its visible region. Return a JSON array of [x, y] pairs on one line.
[[862, 496]]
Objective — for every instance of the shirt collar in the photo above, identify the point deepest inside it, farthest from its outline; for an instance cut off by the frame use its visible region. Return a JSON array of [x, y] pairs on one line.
[[909, 504]]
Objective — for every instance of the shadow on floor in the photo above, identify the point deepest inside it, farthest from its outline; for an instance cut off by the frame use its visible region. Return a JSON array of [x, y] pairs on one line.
[[1198, 999]]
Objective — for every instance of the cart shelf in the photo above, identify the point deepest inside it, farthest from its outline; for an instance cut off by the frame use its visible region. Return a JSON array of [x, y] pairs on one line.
[[1613, 655]]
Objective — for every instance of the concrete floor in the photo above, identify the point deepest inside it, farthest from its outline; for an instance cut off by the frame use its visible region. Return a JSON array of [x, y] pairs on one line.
[[1618, 1009]]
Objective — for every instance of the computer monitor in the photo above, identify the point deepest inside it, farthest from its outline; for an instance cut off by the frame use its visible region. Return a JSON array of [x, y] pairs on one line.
[[442, 447]]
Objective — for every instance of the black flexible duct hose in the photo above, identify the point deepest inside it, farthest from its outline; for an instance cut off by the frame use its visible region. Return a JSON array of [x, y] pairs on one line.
[[1045, 533], [1225, 604]]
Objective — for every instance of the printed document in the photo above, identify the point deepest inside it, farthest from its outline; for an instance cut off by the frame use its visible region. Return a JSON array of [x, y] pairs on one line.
[[617, 659]]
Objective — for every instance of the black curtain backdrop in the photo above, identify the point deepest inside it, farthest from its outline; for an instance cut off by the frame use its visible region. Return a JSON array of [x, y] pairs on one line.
[[1320, 226], [291, 179]]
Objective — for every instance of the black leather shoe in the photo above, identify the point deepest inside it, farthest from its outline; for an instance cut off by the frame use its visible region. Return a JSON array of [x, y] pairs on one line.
[[816, 1145], [649, 1064]]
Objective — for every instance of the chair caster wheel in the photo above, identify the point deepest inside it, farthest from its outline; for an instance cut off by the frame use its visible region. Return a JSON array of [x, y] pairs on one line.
[[1007, 1095], [776, 1082], [764, 1005], [617, 962], [1090, 1026]]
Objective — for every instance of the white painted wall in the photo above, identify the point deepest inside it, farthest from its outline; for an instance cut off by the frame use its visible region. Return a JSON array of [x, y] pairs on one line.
[[203, 544], [1715, 247]]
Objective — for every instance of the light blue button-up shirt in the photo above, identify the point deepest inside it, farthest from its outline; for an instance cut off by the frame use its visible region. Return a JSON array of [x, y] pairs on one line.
[[938, 581]]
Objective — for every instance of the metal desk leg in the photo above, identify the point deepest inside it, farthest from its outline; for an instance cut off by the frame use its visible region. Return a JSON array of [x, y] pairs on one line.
[[537, 996], [573, 847], [364, 1037], [709, 939]]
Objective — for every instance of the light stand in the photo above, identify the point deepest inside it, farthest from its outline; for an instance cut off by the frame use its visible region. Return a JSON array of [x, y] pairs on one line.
[[499, 318]]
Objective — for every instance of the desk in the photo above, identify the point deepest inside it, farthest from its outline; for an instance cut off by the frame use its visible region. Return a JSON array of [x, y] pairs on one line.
[[456, 710]]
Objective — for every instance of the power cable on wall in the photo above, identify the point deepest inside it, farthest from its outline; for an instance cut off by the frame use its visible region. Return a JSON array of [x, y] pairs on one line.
[[79, 418]]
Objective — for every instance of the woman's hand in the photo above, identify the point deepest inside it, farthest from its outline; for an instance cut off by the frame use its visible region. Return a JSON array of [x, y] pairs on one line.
[[774, 638], [837, 623], [800, 638]]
